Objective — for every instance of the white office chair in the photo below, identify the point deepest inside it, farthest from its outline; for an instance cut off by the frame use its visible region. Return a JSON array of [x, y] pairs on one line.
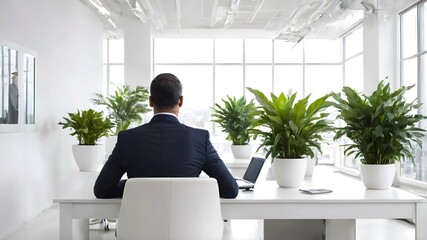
[[170, 208]]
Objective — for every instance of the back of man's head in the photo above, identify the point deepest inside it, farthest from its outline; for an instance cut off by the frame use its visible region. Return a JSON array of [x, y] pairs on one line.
[[165, 90]]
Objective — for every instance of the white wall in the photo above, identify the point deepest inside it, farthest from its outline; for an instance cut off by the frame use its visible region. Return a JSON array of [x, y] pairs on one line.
[[379, 51], [138, 50], [35, 166]]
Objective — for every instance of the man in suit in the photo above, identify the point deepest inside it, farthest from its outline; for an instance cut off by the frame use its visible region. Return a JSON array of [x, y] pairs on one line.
[[163, 147]]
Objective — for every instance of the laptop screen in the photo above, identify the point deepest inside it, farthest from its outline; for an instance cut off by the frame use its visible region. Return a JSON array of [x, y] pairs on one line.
[[253, 169]]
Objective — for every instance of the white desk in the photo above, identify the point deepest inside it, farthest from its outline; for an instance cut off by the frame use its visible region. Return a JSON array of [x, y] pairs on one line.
[[350, 200]]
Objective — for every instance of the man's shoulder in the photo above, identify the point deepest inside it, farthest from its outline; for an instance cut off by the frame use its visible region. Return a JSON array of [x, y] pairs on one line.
[[195, 129], [134, 130], [149, 127]]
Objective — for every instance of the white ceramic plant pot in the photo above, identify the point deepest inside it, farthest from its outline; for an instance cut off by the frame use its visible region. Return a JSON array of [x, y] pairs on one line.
[[110, 143], [88, 157], [289, 172], [241, 151], [379, 177], [311, 163]]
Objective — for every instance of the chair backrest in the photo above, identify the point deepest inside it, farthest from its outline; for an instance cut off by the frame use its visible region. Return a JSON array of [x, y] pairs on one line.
[[170, 208]]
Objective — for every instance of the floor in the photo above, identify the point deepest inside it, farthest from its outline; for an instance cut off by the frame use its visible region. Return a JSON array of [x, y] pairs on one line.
[[45, 227]]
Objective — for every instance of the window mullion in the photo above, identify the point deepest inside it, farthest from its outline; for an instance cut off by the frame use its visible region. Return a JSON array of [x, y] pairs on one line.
[[244, 67], [272, 66], [421, 48]]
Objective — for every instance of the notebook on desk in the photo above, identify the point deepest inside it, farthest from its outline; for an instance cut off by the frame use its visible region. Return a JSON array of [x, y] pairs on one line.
[[251, 173]]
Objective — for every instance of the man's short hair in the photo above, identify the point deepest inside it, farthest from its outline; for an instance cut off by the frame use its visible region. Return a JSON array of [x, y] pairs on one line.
[[165, 90]]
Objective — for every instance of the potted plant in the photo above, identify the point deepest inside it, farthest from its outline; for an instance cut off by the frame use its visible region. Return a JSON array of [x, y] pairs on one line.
[[292, 130], [88, 126], [379, 127], [236, 117], [125, 107]]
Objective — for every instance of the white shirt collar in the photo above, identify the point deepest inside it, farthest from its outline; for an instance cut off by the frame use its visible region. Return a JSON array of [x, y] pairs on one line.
[[166, 113]]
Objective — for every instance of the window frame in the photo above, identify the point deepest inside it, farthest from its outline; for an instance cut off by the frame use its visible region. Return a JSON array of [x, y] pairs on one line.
[[420, 56], [354, 171], [216, 134], [107, 64]]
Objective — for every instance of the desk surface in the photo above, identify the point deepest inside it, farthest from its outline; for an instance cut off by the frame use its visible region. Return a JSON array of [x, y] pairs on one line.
[[349, 200], [345, 189]]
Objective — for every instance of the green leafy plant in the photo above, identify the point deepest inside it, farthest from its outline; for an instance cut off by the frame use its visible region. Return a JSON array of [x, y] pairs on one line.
[[125, 106], [87, 125], [379, 125], [235, 117], [291, 129]]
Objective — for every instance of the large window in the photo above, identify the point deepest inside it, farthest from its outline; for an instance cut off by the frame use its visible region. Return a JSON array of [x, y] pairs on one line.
[[413, 62], [210, 69], [353, 60], [113, 64], [353, 77]]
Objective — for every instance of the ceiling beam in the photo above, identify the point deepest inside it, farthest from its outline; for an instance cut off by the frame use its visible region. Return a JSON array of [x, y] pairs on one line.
[[255, 11], [100, 8], [154, 13], [229, 20], [104, 12], [214, 13], [137, 10]]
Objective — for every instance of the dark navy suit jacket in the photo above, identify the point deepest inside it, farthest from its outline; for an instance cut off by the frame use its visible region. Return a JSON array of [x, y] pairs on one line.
[[163, 148]]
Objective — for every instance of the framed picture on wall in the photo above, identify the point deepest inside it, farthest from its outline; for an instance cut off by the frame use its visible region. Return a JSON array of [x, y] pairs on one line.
[[17, 87]]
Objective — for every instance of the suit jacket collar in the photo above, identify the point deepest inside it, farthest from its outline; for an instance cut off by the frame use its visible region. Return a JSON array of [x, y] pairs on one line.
[[164, 118]]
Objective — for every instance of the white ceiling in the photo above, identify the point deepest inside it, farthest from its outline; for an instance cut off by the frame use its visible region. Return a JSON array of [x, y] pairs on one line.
[[291, 20]]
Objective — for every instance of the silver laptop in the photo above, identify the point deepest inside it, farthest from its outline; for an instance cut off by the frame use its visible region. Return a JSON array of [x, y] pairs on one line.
[[251, 173]]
